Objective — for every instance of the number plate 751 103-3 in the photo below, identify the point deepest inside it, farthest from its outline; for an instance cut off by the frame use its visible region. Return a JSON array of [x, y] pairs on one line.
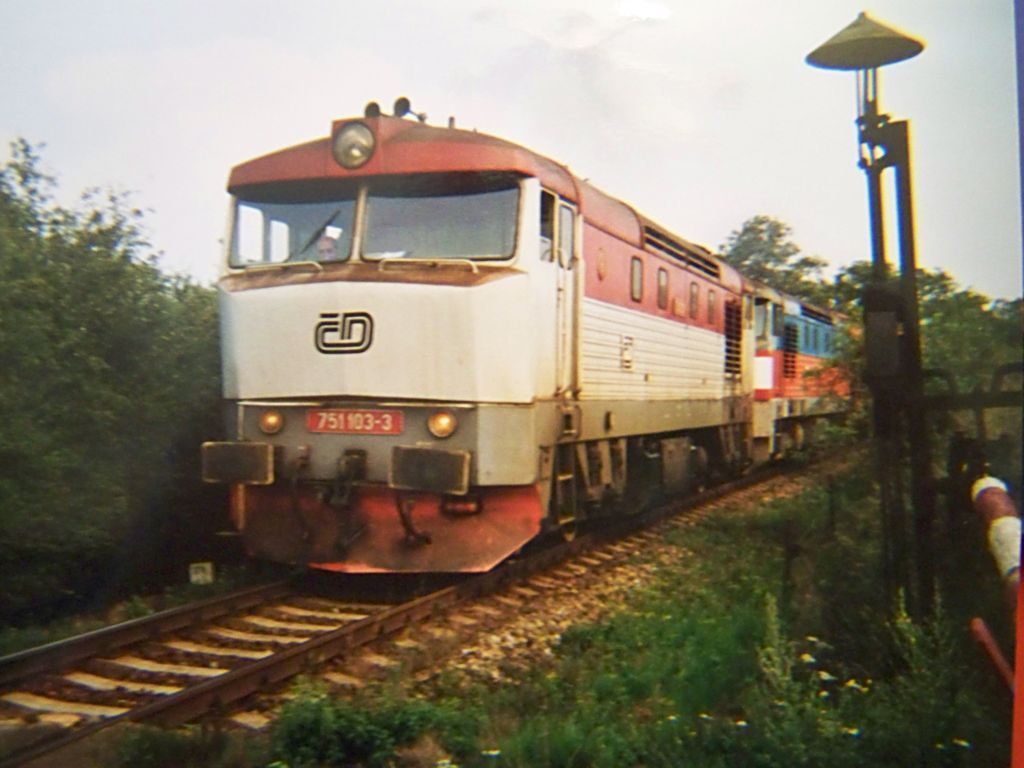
[[354, 421]]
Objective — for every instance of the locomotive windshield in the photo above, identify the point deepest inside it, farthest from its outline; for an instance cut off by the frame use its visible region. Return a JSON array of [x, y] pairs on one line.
[[457, 216], [433, 216]]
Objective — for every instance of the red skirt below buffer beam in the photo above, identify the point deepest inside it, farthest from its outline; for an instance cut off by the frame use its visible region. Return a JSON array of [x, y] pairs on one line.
[[368, 536]]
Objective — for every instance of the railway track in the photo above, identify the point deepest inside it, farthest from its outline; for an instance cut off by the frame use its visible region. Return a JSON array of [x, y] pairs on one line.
[[176, 666]]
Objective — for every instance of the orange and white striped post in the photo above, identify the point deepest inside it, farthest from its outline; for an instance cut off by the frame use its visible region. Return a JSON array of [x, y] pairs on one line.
[[1002, 525], [1003, 531]]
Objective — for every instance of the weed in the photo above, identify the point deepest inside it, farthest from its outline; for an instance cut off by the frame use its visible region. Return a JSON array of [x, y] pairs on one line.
[[191, 747], [135, 608], [314, 729], [768, 646]]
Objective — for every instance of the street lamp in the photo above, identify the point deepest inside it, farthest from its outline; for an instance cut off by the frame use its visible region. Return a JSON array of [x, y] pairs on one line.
[[892, 339]]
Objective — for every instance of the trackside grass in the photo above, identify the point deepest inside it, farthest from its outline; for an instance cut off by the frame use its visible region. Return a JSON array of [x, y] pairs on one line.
[[761, 640]]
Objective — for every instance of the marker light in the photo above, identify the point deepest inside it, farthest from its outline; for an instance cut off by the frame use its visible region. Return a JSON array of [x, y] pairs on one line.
[[442, 423], [353, 145], [271, 422]]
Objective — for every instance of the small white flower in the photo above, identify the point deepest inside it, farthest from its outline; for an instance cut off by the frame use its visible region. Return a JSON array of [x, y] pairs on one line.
[[806, 658], [822, 694], [672, 718], [742, 724], [705, 716], [812, 640], [962, 743], [849, 731], [825, 676]]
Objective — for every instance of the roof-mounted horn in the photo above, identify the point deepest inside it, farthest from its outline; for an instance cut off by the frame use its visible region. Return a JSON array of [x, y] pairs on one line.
[[403, 107]]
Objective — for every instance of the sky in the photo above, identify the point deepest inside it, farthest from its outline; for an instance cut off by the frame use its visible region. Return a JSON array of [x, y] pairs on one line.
[[699, 114]]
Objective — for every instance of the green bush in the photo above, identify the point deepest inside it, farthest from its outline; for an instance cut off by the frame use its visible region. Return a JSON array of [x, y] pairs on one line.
[[109, 380], [315, 729], [191, 747]]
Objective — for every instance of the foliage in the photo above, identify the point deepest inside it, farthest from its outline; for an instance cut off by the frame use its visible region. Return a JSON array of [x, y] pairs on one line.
[[962, 332], [108, 380], [647, 686], [766, 649], [807, 710], [17, 638], [762, 250], [965, 333], [314, 729], [191, 747]]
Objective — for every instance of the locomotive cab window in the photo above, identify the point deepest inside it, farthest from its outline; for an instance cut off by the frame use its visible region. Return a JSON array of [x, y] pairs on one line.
[[711, 307], [662, 288], [694, 300], [439, 216], [275, 232]]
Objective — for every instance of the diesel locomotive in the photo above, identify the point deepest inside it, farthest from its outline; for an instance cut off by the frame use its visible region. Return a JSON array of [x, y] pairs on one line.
[[438, 345]]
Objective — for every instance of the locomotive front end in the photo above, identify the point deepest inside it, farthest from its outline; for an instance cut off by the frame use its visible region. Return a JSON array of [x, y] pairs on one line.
[[376, 338]]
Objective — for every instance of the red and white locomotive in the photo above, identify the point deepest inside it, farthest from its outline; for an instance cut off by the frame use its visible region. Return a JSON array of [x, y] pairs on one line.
[[438, 344]]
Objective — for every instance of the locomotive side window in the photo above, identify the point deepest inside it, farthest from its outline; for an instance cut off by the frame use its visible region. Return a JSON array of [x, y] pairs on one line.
[[778, 320], [636, 279], [711, 307], [694, 300], [248, 235], [761, 319], [438, 216], [547, 225], [566, 236], [662, 288]]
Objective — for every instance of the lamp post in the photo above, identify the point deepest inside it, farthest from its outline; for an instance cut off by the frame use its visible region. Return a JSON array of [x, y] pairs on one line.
[[891, 325]]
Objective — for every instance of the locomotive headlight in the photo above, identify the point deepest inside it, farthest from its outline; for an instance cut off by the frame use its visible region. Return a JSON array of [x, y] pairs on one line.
[[271, 422], [442, 423], [353, 145]]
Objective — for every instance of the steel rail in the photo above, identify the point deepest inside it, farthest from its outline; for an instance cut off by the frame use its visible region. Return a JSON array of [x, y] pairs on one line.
[[61, 653]]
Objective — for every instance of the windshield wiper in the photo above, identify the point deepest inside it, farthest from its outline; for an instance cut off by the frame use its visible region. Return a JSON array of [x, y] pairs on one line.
[[319, 231]]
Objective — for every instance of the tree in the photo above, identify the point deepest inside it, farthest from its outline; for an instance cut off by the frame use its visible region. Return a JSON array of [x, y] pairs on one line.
[[963, 333], [762, 250], [107, 367]]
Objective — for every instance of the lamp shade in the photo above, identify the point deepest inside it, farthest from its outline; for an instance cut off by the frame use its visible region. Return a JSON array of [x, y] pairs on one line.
[[864, 44]]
